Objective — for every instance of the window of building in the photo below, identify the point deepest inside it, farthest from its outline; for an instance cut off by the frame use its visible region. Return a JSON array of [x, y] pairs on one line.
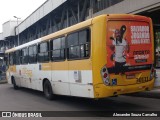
[[43, 52], [24, 56], [79, 44], [58, 49], [33, 54]]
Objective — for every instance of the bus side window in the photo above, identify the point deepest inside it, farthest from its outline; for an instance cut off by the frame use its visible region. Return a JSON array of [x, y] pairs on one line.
[[17, 53], [43, 52], [21, 57], [24, 56], [12, 58], [6, 59], [73, 47], [58, 49], [84, 41], [32, 54], [79, 44]]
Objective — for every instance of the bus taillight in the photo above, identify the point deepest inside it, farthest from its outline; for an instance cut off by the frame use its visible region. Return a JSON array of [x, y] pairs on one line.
[[105, 75]]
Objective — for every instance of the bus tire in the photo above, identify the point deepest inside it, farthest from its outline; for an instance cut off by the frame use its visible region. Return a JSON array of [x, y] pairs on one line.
[[14, 84], [47, 89]]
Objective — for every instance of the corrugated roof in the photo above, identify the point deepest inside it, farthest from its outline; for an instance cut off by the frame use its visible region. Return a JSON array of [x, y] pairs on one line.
[[39, 13]]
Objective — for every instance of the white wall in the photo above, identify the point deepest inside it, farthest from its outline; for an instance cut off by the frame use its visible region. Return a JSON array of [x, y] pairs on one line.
[[9, 28]]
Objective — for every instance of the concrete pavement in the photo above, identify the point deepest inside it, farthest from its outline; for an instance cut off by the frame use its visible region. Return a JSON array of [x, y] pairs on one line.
[[155, 93]]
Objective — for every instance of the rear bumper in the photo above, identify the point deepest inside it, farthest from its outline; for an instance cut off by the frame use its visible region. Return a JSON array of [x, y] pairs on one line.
[[102, 91]]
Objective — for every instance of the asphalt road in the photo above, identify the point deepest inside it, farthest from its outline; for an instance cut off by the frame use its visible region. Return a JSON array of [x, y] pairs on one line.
[[30, 100]]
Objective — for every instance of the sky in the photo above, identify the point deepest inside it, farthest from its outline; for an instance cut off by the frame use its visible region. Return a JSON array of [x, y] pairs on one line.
[[19, 8]]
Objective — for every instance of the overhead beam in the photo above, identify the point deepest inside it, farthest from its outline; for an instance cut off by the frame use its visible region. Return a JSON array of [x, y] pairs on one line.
[[83, 13]]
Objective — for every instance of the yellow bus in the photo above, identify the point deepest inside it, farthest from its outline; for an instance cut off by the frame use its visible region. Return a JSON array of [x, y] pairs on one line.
[[104, 56]]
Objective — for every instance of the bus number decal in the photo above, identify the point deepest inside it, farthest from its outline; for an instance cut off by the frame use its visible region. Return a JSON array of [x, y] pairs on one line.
[[142, 79]]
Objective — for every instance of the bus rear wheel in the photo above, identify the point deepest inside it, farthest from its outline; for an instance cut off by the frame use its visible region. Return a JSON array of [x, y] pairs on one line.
[[47, 89], [14, 84]]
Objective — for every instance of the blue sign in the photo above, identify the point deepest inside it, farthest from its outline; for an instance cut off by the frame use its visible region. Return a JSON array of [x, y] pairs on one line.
[[114, 81]]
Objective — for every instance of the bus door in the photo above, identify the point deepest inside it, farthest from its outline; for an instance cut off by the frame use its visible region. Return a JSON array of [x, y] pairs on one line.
[[129, 49]]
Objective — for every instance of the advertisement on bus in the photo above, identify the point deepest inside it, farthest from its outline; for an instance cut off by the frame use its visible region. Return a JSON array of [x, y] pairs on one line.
[[129, 46]]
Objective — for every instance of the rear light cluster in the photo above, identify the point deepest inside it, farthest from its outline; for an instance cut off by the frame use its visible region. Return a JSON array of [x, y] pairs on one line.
[[152, 75], [105, 75]]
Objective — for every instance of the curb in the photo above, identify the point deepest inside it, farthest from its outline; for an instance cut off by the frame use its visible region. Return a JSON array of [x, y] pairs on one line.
[[3, 81]]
